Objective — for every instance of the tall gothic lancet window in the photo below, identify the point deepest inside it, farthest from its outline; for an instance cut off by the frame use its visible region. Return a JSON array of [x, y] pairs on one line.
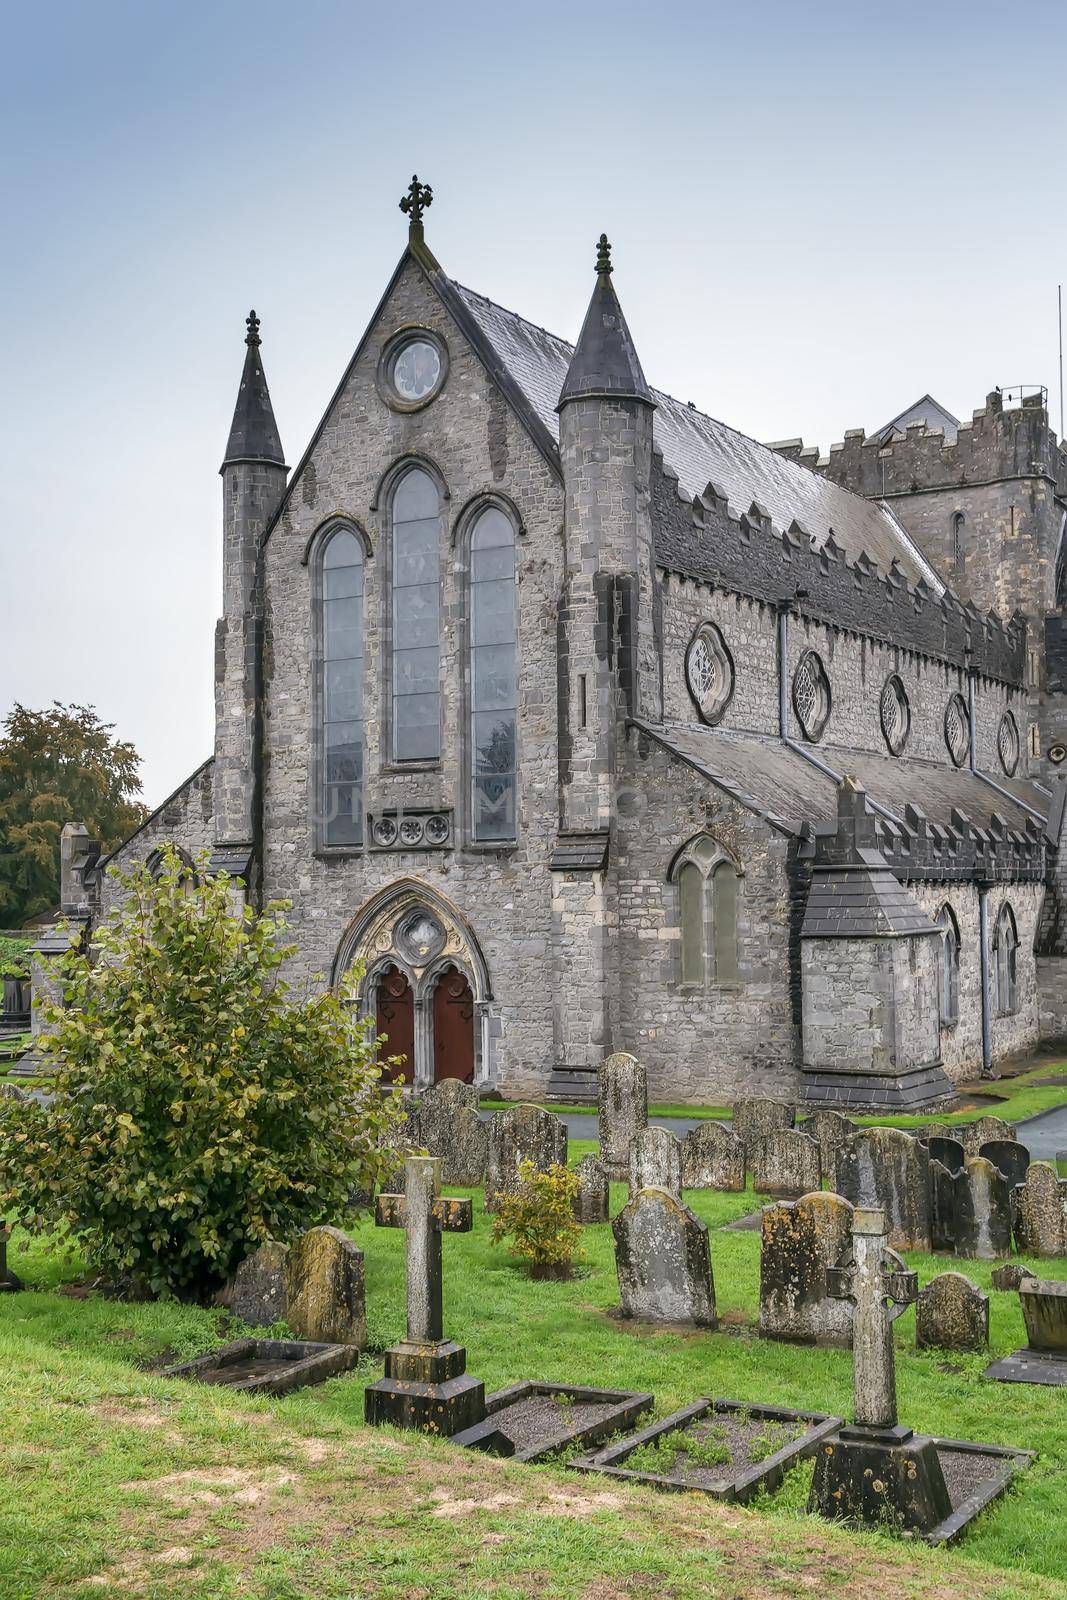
[[342, 689], [707, 914], [1005, 951], [416, 618], [493, 676], [950, 968]]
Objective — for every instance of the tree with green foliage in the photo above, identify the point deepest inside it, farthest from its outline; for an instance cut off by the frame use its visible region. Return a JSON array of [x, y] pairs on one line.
[[57, 766], [200, 1108]]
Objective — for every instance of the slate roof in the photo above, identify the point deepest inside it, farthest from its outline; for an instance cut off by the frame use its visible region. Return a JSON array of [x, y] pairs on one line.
[[926, 409], [701, 450], [860, 902], [254, 433]]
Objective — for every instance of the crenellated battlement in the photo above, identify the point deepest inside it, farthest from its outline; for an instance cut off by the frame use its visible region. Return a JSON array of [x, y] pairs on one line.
[[707, 539]]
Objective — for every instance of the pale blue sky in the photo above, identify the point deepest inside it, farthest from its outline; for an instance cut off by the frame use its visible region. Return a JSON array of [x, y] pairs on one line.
[[819, 212]]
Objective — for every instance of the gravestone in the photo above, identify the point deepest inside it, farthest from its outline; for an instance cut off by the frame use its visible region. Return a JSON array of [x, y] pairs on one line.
[[426, 1384], [830, 1129], [1009, 1157], [1044, 1305], [974, 1135], [982, 1200], [324, 1287], [522, 1133], [875, 1471], [1010, 1275], [663, 1260], [591, 1201], [258, 1293], [9, 1283], [622, 1110], [656, 1162], [713, 1157], [937, 1130], [952, 1313], [949, 1152], [447, 1124], [799, 1240], [785, 1164], [755, 1119], [1041, 1212], [946, 1160], [886, 1170]]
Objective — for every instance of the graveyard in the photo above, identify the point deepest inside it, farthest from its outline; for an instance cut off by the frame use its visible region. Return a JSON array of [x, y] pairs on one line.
[[124, 1481]]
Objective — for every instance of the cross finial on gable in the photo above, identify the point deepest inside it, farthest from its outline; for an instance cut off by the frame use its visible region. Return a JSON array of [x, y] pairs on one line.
[[415, 202], [252, 323], [603, 256]]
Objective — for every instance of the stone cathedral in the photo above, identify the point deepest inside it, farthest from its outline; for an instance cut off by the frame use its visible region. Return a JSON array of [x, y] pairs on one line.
[[582, 722]]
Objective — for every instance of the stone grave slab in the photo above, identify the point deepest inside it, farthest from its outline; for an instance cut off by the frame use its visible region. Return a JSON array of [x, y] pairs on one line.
[[713, 1157], [887, 1170], [530, 1421], [1044, 1358], [737, 1449], [946, 1160], [785, 1164], [982, 1197], [1009, 1156], [656, 1162], [755, 1119], [829, 1129], [974, 1475], [258, 1292], [974, 1135], [663, 1261], [324, 1285], [10, 1283], [447, 1124], [799, 1241], [267, 1366], [622, 1110], [591, 1201], [1040, 1212], [522, 1133], [952, 1313], [1010, 1275]]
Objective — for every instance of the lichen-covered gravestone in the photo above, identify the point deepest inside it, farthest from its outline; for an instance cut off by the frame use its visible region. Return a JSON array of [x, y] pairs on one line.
[[830, 1129], [1044, 1305], [656, 1162], [713, 1157], [755, 1119], [1009, 1157], [622, 1110], [522, 1133], [983, 1211], [1041, 1212], [886, 1170], [785, 1164], [324, 1285], [799, 1241], [663, 1260], [258, 1294], [1010, 1275], [591, 1201], [9, 1283], [952, 1313], [447, 1124], [975, 1134], [946, 1160]]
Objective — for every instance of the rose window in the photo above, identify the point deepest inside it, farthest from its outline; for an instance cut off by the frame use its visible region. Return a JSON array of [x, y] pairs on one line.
[[895, 713], [709, 672], [1008, 744], [958, 729], [811, 695]]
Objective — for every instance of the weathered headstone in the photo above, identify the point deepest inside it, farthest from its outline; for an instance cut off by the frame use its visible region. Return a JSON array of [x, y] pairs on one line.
[[663, 1260], [1041, 1212], [949, 1152], [713, 1157], [974, 1135], [983, 1211], [1010, 1275], [755, 1119], [591, 1201], [886, 1170], [830, 1129], [1044, 1304], [785, 1164], [875, 1471], [1009, 1157], [952, 1313], [426, 1384], [656, 1162], [521, 1133], [258, 1294], [799, 1241], [447, 1124], [622, 1110], [946, 1160], [9, 1282], [324, 1286]]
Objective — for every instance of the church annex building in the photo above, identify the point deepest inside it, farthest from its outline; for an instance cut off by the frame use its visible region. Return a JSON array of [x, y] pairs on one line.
[[585, 723]]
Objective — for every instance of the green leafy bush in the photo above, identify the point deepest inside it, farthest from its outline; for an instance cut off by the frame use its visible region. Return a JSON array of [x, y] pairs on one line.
[[14, 957], [538, 1217], [199, 1109]]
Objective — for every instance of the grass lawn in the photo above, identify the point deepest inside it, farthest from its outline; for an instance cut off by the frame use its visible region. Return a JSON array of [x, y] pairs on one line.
[[118, 1483]]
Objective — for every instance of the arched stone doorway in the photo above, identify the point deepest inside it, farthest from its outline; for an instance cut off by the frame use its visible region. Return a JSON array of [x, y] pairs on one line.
[[453, 1027], [395, 1020]]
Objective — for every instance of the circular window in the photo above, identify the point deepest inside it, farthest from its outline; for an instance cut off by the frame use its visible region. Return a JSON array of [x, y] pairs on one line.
[[811, 695], [709, 672], [1008, 744], [420, 937], [895, 713], [958, 730], [413, 368]]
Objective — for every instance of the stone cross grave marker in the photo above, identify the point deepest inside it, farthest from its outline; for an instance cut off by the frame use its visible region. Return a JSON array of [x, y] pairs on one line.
[[425, 1385], [875, 1470]]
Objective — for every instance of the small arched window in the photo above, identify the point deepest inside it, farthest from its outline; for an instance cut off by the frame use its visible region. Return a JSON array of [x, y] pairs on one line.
[[707, 914], [493, 676], [950, 968], [342, 688], [1005, 953], [416, 585]]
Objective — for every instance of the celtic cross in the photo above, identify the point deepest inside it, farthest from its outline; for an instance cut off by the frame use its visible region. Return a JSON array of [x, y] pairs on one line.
[[871, 1276], [415, 202], [424, 1215]]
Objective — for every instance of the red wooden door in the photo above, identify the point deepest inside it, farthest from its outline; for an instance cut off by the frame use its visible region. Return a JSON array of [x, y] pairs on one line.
[[453, 1027], [396, 1019]]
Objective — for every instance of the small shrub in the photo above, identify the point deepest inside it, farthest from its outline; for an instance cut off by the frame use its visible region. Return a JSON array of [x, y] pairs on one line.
[[660, 1456], [538, 1217]]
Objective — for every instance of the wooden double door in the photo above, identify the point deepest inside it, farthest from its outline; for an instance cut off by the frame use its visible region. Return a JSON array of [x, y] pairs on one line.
[[452, 1024]]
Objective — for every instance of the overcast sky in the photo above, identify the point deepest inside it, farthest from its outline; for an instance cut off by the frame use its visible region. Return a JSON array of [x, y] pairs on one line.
[[819, 212]]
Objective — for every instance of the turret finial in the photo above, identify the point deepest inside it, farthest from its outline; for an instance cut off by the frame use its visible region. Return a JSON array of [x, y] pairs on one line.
[[415, 202], [252, 324], [603, 256]]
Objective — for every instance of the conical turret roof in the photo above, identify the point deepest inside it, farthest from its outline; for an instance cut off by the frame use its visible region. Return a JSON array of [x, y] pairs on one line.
[[253, 433], [605, 361]]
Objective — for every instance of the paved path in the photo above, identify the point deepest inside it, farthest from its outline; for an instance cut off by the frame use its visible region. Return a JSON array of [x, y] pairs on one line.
[[1046, 1134]]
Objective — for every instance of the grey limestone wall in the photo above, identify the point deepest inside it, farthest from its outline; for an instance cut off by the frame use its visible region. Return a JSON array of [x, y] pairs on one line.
[[184, 820], [961, 1045], [870, 1005]]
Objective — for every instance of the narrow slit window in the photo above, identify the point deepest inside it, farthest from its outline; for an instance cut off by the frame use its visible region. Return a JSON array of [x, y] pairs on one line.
[[416, 585], [342, 689], [493, 676]]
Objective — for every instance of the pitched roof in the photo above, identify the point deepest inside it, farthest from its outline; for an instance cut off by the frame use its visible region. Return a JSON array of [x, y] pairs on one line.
[[925, 409], [701, 450]]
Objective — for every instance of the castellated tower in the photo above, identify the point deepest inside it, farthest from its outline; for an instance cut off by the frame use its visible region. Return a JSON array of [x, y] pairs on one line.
[[253, 479]]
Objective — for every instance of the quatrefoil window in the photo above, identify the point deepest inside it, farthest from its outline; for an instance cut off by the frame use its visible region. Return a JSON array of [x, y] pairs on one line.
[[709, 672], [1008, 744], [811, 695], [895, 713]]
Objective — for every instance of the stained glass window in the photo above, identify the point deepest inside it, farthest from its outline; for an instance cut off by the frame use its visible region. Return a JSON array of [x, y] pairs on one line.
[[416, 618], [342, 689], [493, 630]]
